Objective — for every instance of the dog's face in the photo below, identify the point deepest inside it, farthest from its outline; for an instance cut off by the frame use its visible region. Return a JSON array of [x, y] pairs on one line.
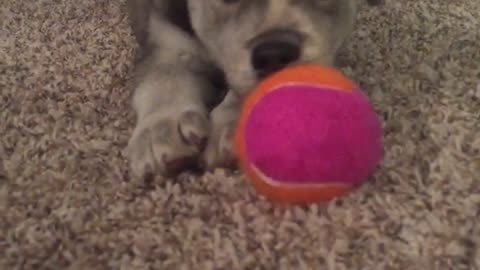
[[250, 39]]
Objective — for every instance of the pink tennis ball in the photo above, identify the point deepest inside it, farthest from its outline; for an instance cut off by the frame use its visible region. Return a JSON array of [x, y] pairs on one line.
[[308, 134]]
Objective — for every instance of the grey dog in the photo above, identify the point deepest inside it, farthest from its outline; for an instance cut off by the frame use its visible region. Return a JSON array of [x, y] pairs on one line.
[[199, 58]]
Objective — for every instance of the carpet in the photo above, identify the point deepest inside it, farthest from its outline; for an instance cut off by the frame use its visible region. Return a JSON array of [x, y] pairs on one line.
[[67, 201]]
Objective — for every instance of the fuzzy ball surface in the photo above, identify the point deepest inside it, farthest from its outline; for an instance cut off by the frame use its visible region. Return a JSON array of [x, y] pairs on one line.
[[302, 134]]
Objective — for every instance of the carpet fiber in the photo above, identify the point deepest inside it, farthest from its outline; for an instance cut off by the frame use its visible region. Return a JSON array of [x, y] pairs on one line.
[[67, 202]]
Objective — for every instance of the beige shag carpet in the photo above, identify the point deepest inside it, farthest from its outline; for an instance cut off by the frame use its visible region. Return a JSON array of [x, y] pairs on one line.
[[66, 200]]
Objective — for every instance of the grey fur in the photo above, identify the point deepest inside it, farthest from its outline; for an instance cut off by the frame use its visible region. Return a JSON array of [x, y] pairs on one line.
[[181, 56]]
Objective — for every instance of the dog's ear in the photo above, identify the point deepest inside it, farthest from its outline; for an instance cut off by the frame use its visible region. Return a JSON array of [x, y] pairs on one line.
[[375, 2]]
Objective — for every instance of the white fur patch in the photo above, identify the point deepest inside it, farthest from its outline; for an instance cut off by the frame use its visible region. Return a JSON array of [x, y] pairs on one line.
[[276, 11]]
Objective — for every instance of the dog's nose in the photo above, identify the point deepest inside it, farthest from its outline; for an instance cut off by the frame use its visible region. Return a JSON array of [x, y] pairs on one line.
[[275, 51]]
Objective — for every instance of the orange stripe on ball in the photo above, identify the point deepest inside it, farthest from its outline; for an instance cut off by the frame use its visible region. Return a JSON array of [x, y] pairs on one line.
[[295, 193]]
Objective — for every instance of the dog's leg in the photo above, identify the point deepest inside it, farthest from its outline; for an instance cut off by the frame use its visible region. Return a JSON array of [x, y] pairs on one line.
[[172, 124], [171, 95], [224, 118]]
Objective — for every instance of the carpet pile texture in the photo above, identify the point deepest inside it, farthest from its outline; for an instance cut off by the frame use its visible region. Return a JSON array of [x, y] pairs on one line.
[[67, 202]]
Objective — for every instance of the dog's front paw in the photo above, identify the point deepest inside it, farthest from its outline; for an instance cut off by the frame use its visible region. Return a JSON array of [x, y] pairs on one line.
[[166, 143], [220, 149], [219, 152]]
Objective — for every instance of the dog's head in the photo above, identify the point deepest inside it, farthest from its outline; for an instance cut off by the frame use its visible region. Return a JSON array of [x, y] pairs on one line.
[[250, 39]]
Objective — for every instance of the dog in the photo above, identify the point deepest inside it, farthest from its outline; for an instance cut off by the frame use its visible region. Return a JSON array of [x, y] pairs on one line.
[[197, 61]]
